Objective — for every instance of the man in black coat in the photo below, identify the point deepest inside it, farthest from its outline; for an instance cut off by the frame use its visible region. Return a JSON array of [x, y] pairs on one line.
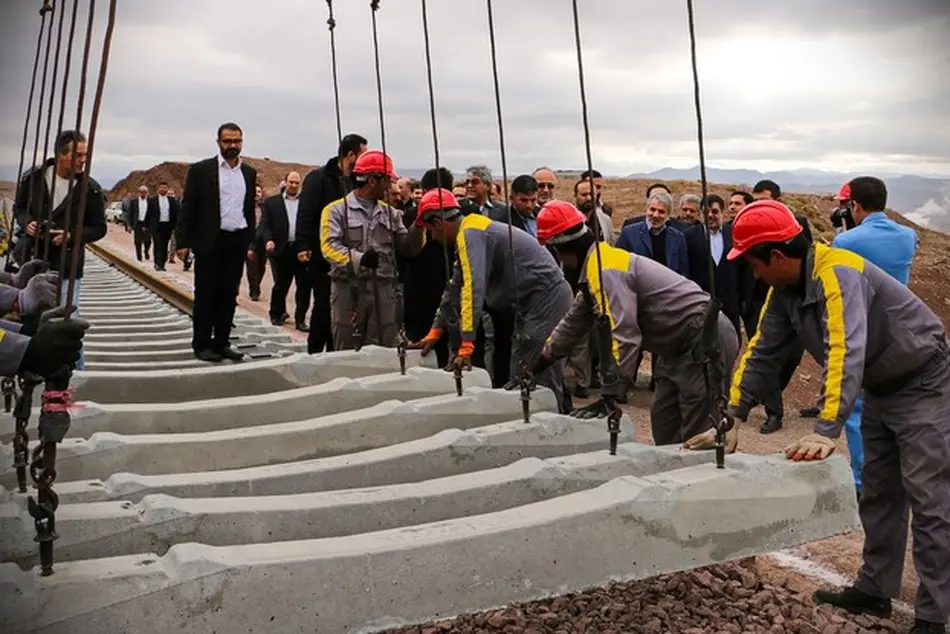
[[161, 218], [321, 187], [277, 232], [216, 221]]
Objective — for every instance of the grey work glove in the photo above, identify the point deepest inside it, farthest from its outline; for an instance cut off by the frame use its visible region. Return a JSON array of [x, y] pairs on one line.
[[27, 272], [31, 323], [56, 344], [39, 293]]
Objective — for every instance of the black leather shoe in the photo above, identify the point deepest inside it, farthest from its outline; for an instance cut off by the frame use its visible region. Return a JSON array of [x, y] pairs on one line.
[[230, 354], [771, 425], [856, 602], [302, 327], [277, 322], [208, 355], [927, 627]]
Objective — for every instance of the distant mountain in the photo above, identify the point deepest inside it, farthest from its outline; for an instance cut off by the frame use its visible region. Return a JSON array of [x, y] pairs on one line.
[[925, 201]]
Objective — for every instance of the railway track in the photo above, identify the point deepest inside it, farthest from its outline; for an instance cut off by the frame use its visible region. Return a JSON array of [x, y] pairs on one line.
[[330, 493]]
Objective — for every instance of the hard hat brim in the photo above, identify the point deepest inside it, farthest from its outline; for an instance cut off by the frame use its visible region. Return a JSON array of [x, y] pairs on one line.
[[734, 254]]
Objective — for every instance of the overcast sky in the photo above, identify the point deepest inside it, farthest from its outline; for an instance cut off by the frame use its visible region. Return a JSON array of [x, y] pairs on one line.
[[842, 85]]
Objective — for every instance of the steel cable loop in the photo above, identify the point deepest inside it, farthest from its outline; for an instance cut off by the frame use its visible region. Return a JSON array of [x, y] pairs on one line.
[[518, 314], [331, 25], [47, 238], [29, 113], [39, 125], [397, 285], [450, 320], [80, 104]]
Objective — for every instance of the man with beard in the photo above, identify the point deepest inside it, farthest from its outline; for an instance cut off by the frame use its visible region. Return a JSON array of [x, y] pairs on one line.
[[321, 187], [587, 204], [547, 183], [277, 232], [217, 222]]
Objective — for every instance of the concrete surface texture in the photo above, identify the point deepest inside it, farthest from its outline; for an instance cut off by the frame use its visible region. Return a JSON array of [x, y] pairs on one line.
[[330, 493]]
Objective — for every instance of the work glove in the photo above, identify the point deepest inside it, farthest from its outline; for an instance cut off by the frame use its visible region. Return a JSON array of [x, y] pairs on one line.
[[39, 293], [707, 440], [811, 447], [25, 274], [543, 363], [32, 322], [426, 343], [370, 259], [56, 344], [463, 358], [601, 408]]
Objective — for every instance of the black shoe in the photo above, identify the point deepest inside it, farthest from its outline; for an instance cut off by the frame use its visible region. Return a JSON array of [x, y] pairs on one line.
[[809, 412], [856, 602], [208, 355], [927, 627], [278, 322], [231, 354], [302, 327], [771, 425]]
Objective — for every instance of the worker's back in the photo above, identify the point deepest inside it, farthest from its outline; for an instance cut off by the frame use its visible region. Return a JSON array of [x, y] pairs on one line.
[[884, 243]]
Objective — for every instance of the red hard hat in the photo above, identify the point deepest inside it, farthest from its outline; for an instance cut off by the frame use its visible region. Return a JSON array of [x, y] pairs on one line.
[[560, 221], [844, 193], [436, 199], [371, 162], [760, 222]]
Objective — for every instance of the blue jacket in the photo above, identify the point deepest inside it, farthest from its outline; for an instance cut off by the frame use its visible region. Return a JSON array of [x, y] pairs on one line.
[[882, 242], [636, 239]]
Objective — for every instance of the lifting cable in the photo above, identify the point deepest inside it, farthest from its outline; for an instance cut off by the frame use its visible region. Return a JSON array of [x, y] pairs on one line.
[[402, 342], [39, 119], [451, 319], [523, 378], [350, 265], [713, 370], [46, 234], [604, 335]]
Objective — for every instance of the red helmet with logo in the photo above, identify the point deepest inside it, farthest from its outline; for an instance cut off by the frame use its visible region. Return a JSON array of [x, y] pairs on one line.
[[761, 222], [436, 199], [373, 162], [844, 193], [559, 222]]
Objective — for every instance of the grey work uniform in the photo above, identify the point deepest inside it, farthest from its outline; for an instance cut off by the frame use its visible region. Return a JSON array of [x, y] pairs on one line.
[[484, 275], [869, 330], [348, 228], [12, 347], [653, 308]]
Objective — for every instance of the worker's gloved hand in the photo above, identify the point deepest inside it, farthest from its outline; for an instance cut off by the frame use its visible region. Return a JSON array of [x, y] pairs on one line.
[[463, 358], [426, 343], [515, 384], [811, 447], [56, 344], [32, 322], [600, 408], [25, 274], [39, 293], [707, 440], [543, 363], [370, 259]]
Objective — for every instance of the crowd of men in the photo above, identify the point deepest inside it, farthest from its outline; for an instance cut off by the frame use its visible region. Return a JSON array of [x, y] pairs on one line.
[[545, 291]]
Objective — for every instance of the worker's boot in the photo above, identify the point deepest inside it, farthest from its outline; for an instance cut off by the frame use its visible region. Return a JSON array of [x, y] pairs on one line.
[[856, 602], [771, 425], [927, 627], [809, 412]]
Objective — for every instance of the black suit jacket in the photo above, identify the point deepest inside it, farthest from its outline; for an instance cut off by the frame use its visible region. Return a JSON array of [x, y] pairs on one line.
[[153, 213], [199, 219], [274, 225], [726, 273], [676, 223], [321, 187]]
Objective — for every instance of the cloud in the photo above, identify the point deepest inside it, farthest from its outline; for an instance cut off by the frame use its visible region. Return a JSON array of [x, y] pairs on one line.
[[845, 85]]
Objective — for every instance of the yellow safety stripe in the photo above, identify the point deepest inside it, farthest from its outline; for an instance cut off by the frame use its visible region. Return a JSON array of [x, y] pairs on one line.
[[329, 252], [611, 258], [476, 222], [3, 334], [735, 392], [837, 345]]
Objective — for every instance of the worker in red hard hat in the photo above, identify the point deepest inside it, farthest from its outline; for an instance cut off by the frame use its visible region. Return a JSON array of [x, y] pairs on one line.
[[532, 285], [649, 307], [841, 217], [359, 237], [867, 330]]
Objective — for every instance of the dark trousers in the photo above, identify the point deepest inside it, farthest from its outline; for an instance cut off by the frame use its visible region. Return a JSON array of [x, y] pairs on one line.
[[143, 240], [773, 403], [287, 269], [217, 280], [255, 270], [320, 338], [160, 238]]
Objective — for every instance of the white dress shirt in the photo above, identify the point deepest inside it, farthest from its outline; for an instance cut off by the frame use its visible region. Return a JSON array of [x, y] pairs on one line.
[[715, 245], [291, 205], [164, 210], [231, 190], [143, 208]]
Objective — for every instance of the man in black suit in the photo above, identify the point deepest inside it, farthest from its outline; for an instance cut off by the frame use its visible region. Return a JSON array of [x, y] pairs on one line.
[[216, 221], [277, 232], [161, 217], [706, 251], [321, 187]]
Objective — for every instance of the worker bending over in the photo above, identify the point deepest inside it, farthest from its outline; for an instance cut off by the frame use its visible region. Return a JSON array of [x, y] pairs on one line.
[[532, 285], [649, 307], [359, 236], [867, 330]]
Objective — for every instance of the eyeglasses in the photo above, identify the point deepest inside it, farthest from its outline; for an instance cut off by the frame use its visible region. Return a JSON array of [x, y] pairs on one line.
[[230, 141], [545, 185]]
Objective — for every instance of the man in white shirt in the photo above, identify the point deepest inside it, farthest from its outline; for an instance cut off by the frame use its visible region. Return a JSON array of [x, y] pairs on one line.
[[162, 214], [139, 210], [277, 232]]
